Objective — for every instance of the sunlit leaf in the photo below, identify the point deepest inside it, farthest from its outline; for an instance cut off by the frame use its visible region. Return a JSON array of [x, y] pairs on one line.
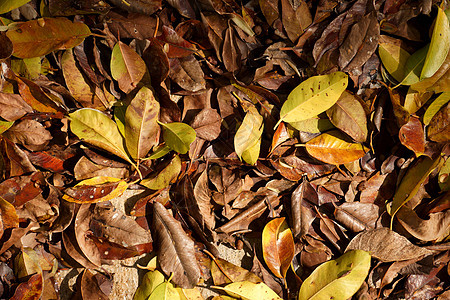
[[5, 125], [40, 37], [439, 45], [189, 294], [278, 246], [96, 189], [315, 124], [411, 182], [246, 290], [178, 136], [164, 291], [332, 148], [313, 96], [97, 129], [8, 5], [337, 279], [222, 271], [248, 137], [414, 65], [412, 136], [439, 128], [150, 281], [349, 116], [165, 176], [435, 106], [415, 100], [141, 126], [394, 59], [127, 67]]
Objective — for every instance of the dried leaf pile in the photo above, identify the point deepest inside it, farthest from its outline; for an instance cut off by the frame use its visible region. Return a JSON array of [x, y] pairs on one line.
[[313, 134]]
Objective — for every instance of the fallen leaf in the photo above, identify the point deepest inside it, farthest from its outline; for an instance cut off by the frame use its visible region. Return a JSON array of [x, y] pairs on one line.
[[247, 139], [332, 148], [386, 245], [30, 133], [412, 136], [249, 291], [187, 73], [348, 115], [141, 123], [224, 272], [394, 59], [13, 107], [9, 5], [313, 96], [435, 106], [164, 177], [164, 291], [45, 35], [29, 290], [207, 124], [150, 281], [278, 246], [178, 136], [439, 45], [326, 281], [99, 130], [127, 67], [176, 252], [96, 189], [439, 130]]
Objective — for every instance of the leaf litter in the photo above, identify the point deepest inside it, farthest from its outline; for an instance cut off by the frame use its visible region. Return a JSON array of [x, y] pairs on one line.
[[314, 135]]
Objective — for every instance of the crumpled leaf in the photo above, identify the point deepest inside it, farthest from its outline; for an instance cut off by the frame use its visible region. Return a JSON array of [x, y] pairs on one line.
[[30, 133], [96, 189], [386, 245], [332, 148], [42, 36], [439, 45], [178, 136], [97, 129], [13, 107], [439, 128], [187, 73], [247, 139], [207, 124], [141, 123], [176, 252], [337, 279], [29, 290], [127, 67], [278, 246], [313, 96], [247, 290]]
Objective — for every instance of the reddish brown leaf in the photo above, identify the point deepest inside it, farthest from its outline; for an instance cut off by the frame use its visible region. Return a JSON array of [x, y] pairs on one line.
[[30, 290], [412, 136]]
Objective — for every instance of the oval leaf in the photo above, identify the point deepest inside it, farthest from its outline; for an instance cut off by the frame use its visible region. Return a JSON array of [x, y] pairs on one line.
[[337, 279], [331, 148], [249, 291], [278, 246], [127, 67], [386, 245], [8, 5], [414, 65], [394, 59], [248, 137], [165, 291], [150, 281], [40, 37], [97, 189], [96, 128], [141, 123], [178, 136], [313, 96], [439, 45], [349, 116], [165, 176], [435, 106]]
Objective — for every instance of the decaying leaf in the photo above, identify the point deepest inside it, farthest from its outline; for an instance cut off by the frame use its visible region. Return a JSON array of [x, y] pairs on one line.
[[176, 252], [386, 245], [96, 189]]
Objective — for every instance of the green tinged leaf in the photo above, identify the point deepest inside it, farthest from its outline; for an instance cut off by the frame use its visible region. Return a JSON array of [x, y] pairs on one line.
[[337, 279], [394, 59], [315, 124], [127, 67], [5, 125], [247, 140], [414, 66], [439, 45], [8, 5], [178, 136], [150, 281], [411, 182], [42, 36], [97, 129], [313, 96], [435, 106], [164, 291], [247, 290], [141, 123], [165, 176]]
